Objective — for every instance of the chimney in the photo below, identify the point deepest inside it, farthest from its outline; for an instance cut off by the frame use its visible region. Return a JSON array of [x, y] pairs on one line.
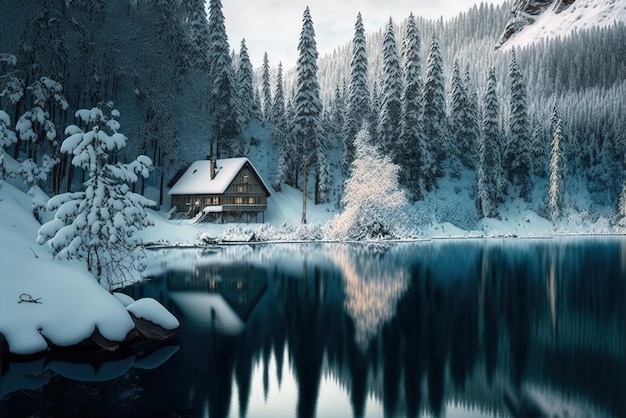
[[212, 167]]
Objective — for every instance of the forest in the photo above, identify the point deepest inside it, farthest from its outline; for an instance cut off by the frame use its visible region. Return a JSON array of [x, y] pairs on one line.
[[544, 123]]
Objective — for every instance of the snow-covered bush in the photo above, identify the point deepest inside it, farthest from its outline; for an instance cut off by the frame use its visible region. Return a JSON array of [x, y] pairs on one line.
[[99, 224], [375, 206]]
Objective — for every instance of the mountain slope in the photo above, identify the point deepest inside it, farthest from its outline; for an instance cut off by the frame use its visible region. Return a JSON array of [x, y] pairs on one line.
[[534, 20]]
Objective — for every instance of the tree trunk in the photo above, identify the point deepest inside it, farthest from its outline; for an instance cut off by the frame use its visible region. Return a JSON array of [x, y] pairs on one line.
[[304, 175]]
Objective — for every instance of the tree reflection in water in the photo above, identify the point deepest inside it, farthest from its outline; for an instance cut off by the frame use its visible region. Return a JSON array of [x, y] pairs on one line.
[[500, 327]]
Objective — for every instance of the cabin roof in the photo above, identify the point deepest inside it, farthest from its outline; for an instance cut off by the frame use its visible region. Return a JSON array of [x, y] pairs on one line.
[[197, 178]]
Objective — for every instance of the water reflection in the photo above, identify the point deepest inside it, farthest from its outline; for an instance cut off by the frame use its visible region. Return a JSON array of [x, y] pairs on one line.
[[483, 328]]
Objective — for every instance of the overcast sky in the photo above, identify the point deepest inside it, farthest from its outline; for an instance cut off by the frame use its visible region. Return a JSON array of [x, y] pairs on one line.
[[273, 26]]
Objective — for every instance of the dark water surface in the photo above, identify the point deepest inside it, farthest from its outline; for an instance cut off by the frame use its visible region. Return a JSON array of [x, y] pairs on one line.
[[475, 328]]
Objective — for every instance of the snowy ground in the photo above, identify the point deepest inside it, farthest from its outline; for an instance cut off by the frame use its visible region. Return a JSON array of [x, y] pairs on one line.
[[43, 300]]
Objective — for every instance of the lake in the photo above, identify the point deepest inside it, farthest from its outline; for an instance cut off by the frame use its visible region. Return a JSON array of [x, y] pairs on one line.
[[467, 328]]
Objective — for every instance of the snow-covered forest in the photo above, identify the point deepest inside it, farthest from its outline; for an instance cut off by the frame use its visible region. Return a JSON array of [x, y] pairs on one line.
[[544, 125]]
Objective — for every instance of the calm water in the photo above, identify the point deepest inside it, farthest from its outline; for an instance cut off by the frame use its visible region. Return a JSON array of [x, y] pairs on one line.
[[452, 328]]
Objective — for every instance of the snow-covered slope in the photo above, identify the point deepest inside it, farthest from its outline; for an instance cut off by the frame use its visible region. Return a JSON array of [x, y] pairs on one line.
[[534, 20]]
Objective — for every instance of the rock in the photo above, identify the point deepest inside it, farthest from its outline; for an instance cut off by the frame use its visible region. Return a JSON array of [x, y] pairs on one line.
[[152, 331]]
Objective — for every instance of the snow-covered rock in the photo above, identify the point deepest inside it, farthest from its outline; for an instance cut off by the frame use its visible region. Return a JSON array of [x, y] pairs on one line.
[[533, 20]]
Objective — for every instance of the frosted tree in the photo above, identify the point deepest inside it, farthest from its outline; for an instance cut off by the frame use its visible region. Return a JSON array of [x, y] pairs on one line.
[[434, 114], [374, 205], [99, 224], [471, 127], [245, 85], [307, 102], [621, 209], [7, 137], [358, 100], [557, 173], [391, 86], [517, 153], [227, 129], [36, 128], [266, 88], [280, 134], [198, 29], [489, 167], [411, 145], [460, 123]]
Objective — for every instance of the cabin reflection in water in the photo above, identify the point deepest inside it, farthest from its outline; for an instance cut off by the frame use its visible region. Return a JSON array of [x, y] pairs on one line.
[[220, 297]]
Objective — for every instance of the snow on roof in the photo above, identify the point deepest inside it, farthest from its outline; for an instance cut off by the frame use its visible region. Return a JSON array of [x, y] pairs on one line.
[[197, 178]]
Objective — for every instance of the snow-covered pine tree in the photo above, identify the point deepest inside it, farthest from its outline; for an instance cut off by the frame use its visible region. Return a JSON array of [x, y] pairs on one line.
[[557, 173], [99, 225], [245, 85], [434, 115], [391, 86], [460, 124], [266, 89], [517, 157], [196, 19], [7, 137], [358, 100], [36, 127], [219, 50], [307, 102], [489, 166], [280, 134], [374, 205], [471, 127], [411, 141]]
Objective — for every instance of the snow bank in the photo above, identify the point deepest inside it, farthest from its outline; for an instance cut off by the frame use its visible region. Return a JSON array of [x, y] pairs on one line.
[[151, 310], [47, 302]]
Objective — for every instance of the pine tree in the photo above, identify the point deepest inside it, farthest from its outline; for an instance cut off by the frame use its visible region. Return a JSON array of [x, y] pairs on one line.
[[411, 140], [557, 173], [227, 129], [489, 167], [266, 89], [280, 133], [245, 85], [99, 225], [358, 100], [518, 163], [307, 103], [391, 85], [461, 128], [7, 137], [196, 18], [434, 115], [471, 128]]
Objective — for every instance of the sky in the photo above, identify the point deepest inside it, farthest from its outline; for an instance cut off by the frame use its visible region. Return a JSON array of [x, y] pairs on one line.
[[273, 26]]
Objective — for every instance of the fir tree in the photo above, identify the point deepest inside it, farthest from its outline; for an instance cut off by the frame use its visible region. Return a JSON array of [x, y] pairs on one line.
[[227, 129], [557, 173], [245, 81], [518, 163], [358, 100], [489, 167], [266, 89], [280, 133], [434, 115], [391, 85], [471, 127], [196, 18], [307, 103], [7, 137], [411, 142], [99, 225], [461, 123]]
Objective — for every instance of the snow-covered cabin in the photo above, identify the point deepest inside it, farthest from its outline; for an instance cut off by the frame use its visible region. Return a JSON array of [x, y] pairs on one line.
[[225, 190]]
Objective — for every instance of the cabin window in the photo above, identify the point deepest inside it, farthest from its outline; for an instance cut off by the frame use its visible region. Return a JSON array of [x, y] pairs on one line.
[[246, 178], [251, 200], [239, 201], [216, 200], [241, 189]]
